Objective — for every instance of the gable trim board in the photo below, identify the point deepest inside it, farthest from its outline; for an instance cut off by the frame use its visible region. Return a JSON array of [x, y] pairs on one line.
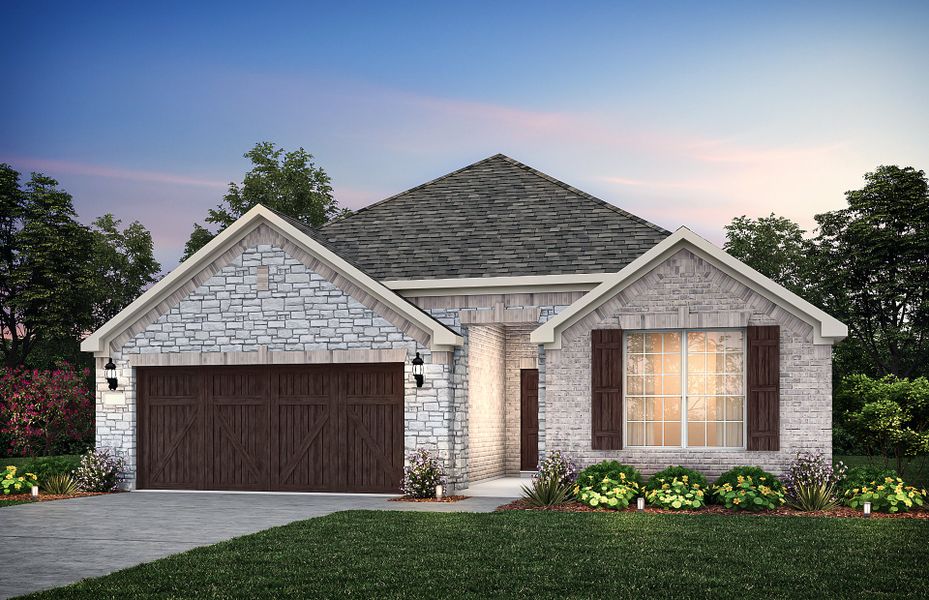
[[826, 329], [473, 286], [196, 269]]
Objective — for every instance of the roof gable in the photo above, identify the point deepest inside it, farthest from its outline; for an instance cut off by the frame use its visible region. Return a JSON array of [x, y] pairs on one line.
[[297, 242], [494, 218], [826, 328]]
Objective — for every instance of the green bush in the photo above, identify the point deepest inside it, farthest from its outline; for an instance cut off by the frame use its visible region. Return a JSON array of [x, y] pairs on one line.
[[608, 484], [857, 477], [889, 494], [676, 488], [46, 467], [748, 488], [11, 483], [609, 469]]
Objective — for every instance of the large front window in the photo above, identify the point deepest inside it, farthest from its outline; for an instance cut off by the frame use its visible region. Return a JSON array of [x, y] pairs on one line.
[[685, 388]]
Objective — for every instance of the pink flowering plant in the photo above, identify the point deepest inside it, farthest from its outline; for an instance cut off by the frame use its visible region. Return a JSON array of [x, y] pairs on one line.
[[42, 409], [422, 473], [100, 471]]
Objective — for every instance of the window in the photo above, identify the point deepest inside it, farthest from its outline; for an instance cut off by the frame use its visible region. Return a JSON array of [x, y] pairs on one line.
[[685, 388]]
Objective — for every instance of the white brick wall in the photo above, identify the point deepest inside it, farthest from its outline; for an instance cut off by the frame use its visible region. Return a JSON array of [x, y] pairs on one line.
[[692, 292], [487, 408]]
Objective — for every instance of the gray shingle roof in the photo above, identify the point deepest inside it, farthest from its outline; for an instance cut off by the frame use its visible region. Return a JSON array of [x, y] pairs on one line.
[[494, 218]]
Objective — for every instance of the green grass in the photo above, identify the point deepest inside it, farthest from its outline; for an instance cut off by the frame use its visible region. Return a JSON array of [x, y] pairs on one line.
[[4, 502], [916, 473], [368, 554]]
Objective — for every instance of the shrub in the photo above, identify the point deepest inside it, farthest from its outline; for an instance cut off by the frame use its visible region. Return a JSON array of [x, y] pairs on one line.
[[890, 494], [556, 466], [812, 482], [676, 488], [546, 492], [748, 488], [608, 484], [60, 485], [609, 469], [857, 477], [45, 411], [99, 471], [17, 484], [46, 467], [422, 474]]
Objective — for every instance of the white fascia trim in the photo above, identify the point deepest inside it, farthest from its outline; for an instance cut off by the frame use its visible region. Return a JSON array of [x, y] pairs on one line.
[[826, 328], [442, 339], [470, 286]]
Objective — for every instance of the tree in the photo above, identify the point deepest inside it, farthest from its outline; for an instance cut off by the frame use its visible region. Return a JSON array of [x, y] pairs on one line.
[[775, 247], [122, 266], [873, 269], [888, 416], [44, 282], [288, 182]]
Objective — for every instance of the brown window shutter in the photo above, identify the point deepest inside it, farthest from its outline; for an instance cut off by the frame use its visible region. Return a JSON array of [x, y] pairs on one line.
[[764, 387], [606, 406]]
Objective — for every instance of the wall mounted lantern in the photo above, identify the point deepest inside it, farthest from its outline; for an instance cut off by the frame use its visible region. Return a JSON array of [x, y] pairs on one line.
[[417, 363], [109, 372]]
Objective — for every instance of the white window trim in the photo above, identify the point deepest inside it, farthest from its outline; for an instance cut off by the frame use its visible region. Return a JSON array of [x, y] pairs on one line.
[[684, 395]]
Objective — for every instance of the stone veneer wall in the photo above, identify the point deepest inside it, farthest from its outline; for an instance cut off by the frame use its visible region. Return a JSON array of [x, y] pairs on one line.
[[486, 401], [687, 291], [300, 311]]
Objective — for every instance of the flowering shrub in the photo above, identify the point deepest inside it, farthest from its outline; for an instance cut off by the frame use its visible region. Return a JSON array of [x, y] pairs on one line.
[[890, 494], [99, 471], [748, 488], [857, 477], [676, 488], [422, 474], [556, 466], [812, 482], [44, 411], [608, 484], [12, 484]]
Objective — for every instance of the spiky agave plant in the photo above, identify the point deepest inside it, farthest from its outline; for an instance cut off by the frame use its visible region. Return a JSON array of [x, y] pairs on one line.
[[813, 496], [546, 492], [60, 485]]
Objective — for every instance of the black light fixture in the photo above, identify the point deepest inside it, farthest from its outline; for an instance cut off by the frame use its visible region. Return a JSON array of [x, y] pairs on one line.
[[417, 363], [109, 371]]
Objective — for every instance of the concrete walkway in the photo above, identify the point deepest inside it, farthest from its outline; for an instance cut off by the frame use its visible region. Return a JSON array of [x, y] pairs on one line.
[[50, 544]]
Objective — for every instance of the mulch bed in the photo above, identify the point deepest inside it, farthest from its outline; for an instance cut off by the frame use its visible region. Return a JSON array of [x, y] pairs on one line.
[[444, 499], [49, 497], [784, 511]]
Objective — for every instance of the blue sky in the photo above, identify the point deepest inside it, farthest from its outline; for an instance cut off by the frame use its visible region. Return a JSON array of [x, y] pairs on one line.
[[690, 113]]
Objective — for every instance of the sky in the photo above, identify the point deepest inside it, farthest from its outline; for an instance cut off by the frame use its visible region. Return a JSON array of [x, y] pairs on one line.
[[682, 113]]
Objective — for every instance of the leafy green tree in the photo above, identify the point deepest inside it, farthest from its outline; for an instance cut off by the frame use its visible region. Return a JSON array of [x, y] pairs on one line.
[[775, 247], [888, 416], [873, 270], [288, 182], [122, 266], [44, 283]]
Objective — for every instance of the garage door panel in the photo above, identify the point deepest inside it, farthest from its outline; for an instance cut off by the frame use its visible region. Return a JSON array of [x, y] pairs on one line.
[[239, 428], [170, 431], [293, 427]]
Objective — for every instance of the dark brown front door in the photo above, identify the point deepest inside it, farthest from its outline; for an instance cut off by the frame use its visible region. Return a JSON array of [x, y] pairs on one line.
[[529, 419], [295, 428]]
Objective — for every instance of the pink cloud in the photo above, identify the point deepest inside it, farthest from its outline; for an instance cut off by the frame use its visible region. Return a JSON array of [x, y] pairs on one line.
[[92, 170]]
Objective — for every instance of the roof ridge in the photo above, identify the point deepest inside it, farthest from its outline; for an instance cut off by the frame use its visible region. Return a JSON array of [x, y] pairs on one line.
[[414, 188], [582, 193]]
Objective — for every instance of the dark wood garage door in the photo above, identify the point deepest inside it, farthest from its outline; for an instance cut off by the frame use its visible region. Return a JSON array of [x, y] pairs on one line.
[[294, 428]]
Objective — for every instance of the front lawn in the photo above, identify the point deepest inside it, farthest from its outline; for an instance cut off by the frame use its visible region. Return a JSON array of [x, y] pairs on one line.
[[368, 554]]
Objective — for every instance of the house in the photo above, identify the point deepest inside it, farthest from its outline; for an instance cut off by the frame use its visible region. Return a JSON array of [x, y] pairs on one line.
[[280, 357]]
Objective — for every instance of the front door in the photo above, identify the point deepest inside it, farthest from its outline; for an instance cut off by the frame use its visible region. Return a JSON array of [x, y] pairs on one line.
[[529, 419]]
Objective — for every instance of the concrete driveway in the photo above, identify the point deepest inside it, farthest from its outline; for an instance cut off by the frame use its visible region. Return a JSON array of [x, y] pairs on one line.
[[49, 544]]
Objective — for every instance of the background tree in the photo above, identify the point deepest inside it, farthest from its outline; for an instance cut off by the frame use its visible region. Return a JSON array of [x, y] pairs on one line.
[[44, 283], [123, 265], [775, 247], [288, 182], [874, 269]]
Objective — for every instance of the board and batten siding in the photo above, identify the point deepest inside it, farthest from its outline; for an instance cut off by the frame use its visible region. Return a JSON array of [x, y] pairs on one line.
[[686, 291]]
